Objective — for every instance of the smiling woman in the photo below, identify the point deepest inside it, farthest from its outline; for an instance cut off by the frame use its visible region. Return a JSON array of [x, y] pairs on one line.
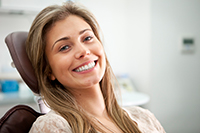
[[72, 48], [75, 78]]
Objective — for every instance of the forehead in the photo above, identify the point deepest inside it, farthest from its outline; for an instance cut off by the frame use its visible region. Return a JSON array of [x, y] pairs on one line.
[[69, 26], [71, 22]]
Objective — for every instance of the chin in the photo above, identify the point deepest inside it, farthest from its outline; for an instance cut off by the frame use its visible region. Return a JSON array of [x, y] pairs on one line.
[[90, 83]]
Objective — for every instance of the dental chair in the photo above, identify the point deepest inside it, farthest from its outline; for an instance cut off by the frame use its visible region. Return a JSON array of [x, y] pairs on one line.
[[20, 118]]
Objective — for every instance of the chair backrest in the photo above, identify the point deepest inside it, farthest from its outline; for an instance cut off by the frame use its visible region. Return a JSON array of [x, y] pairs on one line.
[[15, 42], [16, 45], [18, 119]]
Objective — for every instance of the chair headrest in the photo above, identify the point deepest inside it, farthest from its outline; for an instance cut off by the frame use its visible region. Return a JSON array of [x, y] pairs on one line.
[[16, 44]]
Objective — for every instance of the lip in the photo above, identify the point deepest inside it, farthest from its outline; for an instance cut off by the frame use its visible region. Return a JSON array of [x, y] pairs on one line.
[[86, 63]]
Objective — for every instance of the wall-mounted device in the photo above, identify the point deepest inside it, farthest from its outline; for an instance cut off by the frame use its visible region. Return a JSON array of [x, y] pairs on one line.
[[187, 44]]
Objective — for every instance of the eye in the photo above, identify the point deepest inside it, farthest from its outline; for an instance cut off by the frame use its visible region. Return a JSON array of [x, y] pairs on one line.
[[88, 38], [66, 47]]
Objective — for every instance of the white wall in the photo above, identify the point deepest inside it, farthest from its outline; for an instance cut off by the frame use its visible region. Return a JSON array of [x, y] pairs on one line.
[[175, 85]]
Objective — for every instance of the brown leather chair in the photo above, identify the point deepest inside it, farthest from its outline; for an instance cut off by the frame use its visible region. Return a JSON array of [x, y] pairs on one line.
[[20, 118]]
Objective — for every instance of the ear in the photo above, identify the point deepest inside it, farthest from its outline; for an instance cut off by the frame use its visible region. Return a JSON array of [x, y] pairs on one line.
[[52, 77]]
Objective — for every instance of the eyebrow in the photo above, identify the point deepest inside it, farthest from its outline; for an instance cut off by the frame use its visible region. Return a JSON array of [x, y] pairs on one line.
[[66, 38]]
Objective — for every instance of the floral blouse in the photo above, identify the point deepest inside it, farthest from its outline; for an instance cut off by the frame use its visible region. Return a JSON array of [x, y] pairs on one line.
[[52, 122]]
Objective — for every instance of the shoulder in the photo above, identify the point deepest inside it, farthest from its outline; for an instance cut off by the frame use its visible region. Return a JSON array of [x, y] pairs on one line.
[[51, 122], [146, 120]]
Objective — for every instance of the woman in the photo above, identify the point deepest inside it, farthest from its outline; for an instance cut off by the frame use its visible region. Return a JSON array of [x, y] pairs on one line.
[[75, 78]]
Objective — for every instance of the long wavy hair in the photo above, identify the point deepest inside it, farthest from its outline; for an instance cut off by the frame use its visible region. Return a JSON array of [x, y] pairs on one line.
[[54, 93]]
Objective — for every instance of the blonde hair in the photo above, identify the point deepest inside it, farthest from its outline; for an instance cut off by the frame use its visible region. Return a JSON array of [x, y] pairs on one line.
[[59, 98]]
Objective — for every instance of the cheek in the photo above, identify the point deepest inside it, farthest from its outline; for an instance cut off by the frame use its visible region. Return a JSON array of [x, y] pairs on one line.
[[101, 53], [99, 50], [102, 60], [103, 56], [58, 66], [104, 65]]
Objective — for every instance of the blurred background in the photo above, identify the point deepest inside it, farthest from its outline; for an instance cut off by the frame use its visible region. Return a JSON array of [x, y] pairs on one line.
[[156, 43]]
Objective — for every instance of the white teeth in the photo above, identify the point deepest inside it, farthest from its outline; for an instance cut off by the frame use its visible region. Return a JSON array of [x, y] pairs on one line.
[[86, 67], [82, 68]]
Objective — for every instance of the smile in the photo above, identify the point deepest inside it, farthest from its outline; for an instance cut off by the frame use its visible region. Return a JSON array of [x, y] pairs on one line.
[[85, 67]]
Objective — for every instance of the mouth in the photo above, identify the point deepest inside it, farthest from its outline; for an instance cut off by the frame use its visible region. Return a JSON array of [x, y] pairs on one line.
[[86, 67]]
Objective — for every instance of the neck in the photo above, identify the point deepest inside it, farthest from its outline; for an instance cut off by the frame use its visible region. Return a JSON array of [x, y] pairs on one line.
[[92, 101]]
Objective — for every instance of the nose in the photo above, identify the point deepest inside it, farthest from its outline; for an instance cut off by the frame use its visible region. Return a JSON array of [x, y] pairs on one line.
[[82, 51]]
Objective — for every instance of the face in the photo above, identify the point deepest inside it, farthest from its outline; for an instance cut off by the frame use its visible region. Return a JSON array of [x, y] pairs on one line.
[[75, 55]]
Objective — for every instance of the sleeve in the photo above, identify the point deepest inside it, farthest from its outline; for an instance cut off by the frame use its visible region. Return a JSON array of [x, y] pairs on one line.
[[50, 123], [146, 121]]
